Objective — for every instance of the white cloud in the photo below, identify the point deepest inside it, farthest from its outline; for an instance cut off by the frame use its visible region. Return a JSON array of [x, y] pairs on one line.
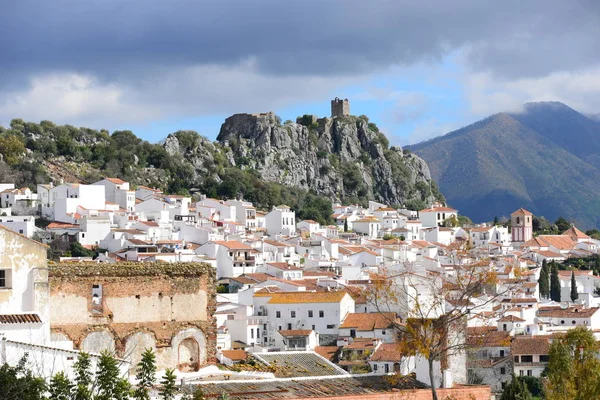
[[81, 99], [487, 94]]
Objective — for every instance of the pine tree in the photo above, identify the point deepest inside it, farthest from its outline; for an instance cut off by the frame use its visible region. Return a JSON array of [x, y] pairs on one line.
[[168, 390], [146, 370], [83, 377], [60, 387], [346, 225], [554, 283], [496, 221], [544, 281], [516, 390], [574, 294], [109, 385]]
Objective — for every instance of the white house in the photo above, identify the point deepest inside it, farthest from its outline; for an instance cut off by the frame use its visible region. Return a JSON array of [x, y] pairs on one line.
[[25, 225], [281, 221], [322, 312], [234, 258], [117, 191], [436, 215]]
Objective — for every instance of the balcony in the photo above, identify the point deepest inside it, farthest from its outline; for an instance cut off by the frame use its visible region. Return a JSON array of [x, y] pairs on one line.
[[247, 260]]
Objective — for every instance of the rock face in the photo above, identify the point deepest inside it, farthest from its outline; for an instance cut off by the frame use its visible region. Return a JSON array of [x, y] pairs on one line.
[[342, 158]]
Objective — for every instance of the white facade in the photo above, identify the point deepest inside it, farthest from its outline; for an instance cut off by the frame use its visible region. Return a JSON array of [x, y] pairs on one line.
[[281, 221], [24, 225]]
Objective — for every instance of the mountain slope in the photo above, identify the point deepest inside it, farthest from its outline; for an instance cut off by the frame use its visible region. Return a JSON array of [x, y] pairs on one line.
[[499, 164], [305, 165]]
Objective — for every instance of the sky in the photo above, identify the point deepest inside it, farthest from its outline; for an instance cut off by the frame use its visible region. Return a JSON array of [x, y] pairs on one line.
[[418, 69]]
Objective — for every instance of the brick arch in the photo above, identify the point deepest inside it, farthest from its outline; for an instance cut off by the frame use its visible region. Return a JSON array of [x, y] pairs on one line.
[[135, 343], [193, 353]]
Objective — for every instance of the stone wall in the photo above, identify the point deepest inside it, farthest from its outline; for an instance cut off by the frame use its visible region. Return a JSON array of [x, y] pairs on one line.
[[166, 307], [340, 108]]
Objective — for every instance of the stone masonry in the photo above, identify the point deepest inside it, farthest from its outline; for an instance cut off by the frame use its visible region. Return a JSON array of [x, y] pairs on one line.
[[128, 307]]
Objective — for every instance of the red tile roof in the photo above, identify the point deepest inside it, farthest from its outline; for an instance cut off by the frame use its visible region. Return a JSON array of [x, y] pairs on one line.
[[233, 244], [20, 319], [369, 321], [235, 355], [387, 352], [61, 225], [521, 211], [116, 181], [530, 345]]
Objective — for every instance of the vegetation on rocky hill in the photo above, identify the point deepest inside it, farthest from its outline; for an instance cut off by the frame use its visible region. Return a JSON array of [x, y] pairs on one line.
[[349, 160]]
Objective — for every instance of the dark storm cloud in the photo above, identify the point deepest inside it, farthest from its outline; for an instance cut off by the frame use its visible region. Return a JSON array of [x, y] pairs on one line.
[[116, 38]]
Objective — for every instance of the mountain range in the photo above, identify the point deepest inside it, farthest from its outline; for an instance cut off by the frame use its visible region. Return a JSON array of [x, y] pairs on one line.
[[545, 158]]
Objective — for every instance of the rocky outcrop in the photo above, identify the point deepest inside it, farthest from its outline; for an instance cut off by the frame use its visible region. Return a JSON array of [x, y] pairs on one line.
[[342, 158]]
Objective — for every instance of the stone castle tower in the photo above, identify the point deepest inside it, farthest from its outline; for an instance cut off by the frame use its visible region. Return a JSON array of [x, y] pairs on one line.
[[521, 223], [340, 108]]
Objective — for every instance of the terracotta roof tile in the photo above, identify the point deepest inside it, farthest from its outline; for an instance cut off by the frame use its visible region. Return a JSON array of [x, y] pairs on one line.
[[20, 319], [369, 321], [387, 352]]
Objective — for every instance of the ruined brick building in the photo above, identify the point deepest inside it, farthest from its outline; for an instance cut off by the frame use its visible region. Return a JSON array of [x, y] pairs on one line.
[[128, 307]]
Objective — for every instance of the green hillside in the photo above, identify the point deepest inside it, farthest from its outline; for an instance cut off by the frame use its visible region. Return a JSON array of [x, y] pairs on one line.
[[543, 159]]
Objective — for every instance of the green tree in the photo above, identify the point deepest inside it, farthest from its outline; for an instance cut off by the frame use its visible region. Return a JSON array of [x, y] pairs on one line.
[[77, 250], [11, 149], [554, 283], [496, 221], [544, 281], [168, 389], [110, 386], [574, 294], [145, 375], [516, 390], [562, 224], [574, 368], [60, 387], [18, 383], [83, 377], [346, 225]]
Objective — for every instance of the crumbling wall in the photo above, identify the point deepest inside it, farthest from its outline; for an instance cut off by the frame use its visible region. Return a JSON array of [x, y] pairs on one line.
[[166, 307]]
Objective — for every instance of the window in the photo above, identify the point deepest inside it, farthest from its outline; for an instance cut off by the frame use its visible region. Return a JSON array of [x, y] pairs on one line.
[[293, 314], [321, 314], [502, 371], [573, 322], [544, 358], [352, 333], [289, 327], [330, 326], [503, 385], [529, 372], [310, 313], [386, 368], [562, 321], [374, 367], [277, 314], [501, 353], [82, 234], [383, 332], [21, 232], [279, 328], [526, 359], [257, 333], [313, 328], [251, 333], [521, 373], [516, 358], [4, 278]]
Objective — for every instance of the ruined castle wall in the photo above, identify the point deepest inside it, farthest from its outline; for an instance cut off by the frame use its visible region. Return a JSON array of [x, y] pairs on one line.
[[166, 307]]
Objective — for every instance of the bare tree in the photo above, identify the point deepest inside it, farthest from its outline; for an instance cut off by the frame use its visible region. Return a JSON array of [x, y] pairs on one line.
[[435, 305]]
